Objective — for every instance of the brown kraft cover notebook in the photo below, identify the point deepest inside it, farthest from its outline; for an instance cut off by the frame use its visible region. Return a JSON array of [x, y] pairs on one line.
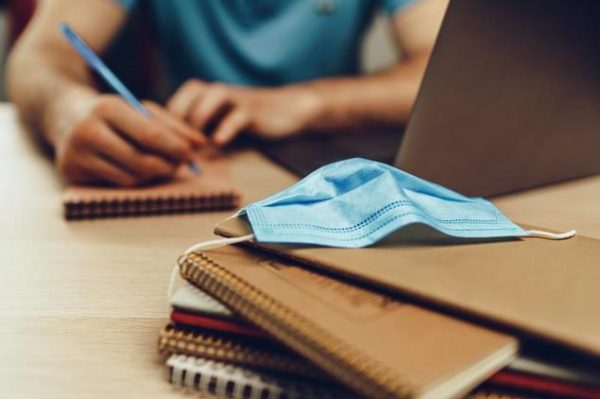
[[379, 347], [545, 288], [211, 190], [266, 355]]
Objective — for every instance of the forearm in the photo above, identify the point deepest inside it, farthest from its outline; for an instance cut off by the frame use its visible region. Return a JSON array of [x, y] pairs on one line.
[[381, 99], [45, 90], [46, 79]]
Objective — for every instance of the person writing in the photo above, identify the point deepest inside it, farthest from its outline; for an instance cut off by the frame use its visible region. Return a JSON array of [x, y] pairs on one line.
[[269, 68]]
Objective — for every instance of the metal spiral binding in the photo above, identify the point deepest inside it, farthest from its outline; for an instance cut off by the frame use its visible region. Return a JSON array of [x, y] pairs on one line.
[[75, 209], [360, 371], [238, 351], [485, 394], [228, 381]]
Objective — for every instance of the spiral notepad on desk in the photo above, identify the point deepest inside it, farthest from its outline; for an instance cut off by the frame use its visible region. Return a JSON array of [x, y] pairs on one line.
[[237, 382], [212, 190]]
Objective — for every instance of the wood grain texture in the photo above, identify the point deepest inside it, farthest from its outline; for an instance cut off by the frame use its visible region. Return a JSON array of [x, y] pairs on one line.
[[82, 303]]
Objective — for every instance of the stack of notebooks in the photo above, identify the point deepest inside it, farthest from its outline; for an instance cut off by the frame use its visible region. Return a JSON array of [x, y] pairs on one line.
[[210, 350], [312, 336]]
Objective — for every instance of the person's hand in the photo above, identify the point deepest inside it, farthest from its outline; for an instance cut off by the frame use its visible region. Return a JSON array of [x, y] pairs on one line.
[[108, 141], [225, 111]]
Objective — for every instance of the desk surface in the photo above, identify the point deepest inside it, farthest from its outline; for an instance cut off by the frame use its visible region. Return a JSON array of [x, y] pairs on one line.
[[81, 303]]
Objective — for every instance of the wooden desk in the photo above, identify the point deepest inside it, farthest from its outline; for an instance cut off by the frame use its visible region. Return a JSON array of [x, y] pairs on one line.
[[81, 303]]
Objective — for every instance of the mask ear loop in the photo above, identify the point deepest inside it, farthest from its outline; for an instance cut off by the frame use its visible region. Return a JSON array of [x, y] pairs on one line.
[[551, 236], [171, 285], [203, 246], [218, 243]]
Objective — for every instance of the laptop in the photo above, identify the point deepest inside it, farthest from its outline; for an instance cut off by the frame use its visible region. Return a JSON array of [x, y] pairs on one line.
[[510, 99], [303, 154]]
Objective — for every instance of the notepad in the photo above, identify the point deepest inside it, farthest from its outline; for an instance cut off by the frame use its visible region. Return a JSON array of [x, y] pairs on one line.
[[264, 355], [190, 298], [378, 346], [237, 382], [212, 190], [514, 283]]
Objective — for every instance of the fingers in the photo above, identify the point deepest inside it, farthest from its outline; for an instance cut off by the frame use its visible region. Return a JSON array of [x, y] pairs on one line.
[[92, 168], [215, 103], [184, 99], [147, 133], [232, 125], [93, 152], [143, 167], [176, 124], [107, 172], [204, 106]]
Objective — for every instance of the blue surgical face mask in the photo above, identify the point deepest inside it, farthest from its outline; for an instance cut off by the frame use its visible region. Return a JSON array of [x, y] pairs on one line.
[[357, 202]]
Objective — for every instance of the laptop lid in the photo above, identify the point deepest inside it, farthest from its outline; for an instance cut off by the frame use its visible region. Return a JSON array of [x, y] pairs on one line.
[[511, 97]]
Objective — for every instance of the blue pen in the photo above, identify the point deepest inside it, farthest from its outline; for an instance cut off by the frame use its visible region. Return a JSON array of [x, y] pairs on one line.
[[92, 59]]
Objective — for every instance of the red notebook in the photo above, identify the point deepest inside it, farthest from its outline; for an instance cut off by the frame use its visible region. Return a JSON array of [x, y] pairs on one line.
[[210, 322], [546, 386]]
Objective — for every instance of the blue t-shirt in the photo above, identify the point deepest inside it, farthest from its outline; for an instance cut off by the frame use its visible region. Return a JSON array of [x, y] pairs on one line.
[[260, 42]]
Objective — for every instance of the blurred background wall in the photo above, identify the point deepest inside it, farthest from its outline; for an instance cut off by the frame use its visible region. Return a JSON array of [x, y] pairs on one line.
[[3, 46], [378, 49]]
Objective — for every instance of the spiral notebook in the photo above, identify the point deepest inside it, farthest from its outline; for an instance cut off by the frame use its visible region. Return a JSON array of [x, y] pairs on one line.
[[540, 370], [265, 355], [189, 298], [377, 346], [211, 190], [495, 394], [221, 380], [237, 351], [194, 308], [236, 382], [521, 294]]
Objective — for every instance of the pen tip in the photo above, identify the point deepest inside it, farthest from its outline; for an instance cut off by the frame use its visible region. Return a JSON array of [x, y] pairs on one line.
[[195, 168]]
